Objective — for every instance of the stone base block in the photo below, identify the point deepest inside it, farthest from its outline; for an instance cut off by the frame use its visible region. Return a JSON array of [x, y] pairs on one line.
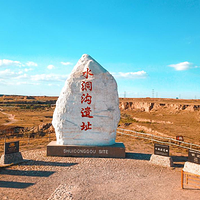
[[11, 158], [113, 151], [161, 160], [192, 168]]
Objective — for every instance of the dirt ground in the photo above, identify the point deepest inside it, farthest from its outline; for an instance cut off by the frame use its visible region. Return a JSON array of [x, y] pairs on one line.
[[42, 177]]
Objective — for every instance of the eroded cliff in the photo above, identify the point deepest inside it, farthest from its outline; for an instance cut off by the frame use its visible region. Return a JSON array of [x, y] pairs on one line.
[[147, 105]]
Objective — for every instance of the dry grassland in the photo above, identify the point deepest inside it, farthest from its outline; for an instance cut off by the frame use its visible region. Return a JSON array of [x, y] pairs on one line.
[[34, 111], [165, 120]]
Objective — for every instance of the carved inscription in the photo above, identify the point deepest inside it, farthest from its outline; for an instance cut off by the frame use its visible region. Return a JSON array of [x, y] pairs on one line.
[[162, 150], [86, 151], [11, 147], [86, 86]]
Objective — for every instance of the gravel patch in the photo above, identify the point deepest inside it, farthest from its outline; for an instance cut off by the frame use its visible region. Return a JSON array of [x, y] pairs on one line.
[[42, 177]]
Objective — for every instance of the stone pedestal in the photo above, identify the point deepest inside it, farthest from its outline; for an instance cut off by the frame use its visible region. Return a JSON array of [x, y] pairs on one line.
[[116, 150], [192, 168], [11, 158], [161, 160]]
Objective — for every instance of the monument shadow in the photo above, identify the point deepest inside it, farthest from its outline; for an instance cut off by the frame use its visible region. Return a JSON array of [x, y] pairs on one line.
[[12, 184], [26, 173], [46, 163], [138, 156], [178, 161]]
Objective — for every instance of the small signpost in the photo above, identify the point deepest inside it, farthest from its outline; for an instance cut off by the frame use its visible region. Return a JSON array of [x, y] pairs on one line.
[[11, 153], [194, 156], [161, 156], [11, 147], [162, 150]]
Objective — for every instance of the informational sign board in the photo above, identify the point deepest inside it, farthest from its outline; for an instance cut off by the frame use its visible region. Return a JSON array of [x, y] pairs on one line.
[[179, 137], [194, 156], [162, 150], [11, 147]]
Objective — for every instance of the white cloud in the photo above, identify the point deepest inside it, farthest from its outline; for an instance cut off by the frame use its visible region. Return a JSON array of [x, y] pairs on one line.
[[49, 77], [6, 73], [53, 84], [181, 66], [28, 69], [20, 72], [9, 76], [131, 75], [7, 63], [23, 76], [31, 64], [26, 83], [50, 67], [66, 63]]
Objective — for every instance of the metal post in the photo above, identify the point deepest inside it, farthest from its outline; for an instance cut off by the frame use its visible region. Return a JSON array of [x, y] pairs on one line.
[[29, 138], [170, 142], [187, 179], [4, 136], [182, 179]]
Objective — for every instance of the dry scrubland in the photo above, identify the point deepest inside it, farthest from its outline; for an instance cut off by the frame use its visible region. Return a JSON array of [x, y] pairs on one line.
[[165, 117], [28, 111], [33, 116]]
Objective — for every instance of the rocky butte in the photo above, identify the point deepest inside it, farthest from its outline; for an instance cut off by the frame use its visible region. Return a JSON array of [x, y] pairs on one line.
[[87, 110]]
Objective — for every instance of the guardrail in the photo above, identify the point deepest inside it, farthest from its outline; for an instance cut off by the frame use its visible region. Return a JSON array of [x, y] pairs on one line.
[[159, 139]]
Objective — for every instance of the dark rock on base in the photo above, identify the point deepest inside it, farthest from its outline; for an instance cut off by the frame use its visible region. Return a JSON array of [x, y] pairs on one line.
[[11, 158]]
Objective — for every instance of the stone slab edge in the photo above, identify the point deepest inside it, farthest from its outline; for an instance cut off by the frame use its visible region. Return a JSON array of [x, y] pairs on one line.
[[161, 160], [112, 151], [191, 168], [61, 192]]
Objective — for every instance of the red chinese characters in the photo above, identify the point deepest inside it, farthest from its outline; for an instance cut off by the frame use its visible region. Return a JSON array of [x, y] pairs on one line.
[[87, 73], [86, 98], [86, 126], [85, 86], [86, 112]]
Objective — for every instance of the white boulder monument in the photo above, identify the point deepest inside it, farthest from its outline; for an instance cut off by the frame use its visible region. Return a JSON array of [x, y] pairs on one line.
[[87, 113]]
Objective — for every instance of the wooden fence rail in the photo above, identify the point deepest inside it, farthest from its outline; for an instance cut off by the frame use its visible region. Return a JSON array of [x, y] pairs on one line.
[[159, 139]]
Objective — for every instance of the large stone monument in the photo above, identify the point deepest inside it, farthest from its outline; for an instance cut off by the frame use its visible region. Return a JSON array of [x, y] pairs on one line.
[[87, 113]]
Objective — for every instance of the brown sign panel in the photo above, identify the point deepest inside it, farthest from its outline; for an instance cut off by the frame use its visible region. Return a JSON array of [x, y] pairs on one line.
[[116, 150], [162, 150], [11, 147], [194, 156]]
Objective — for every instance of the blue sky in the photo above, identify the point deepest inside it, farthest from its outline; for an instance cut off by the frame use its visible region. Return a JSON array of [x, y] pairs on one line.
[[148, 45]]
